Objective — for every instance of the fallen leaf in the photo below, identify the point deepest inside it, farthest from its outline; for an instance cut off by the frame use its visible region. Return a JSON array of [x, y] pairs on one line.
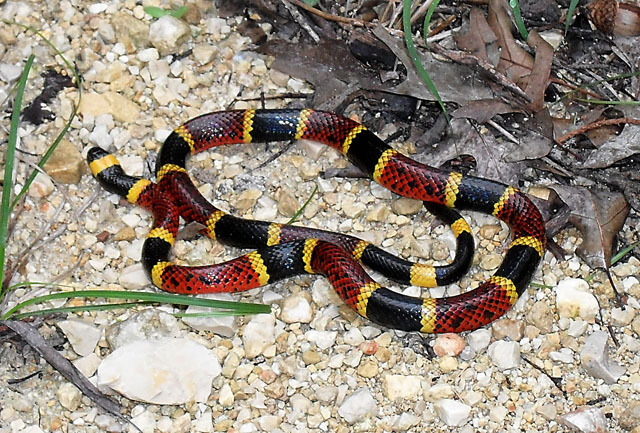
[[515, 62], [598, 215]]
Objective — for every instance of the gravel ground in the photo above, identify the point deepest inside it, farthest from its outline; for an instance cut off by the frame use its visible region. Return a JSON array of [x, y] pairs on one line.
[[314, 365]]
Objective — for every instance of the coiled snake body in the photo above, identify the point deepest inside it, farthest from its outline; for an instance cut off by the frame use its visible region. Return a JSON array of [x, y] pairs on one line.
[[284, 250]]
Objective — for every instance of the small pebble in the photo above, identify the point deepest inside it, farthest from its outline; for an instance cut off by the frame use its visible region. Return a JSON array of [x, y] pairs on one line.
[[595, 358], [508, 328], [448, 344], [452, 412], [397, 386], [296, 309], [585, 419], [168, 33], [69, 396], [504, 354], [357, 406], [259, 334], [575, 300]]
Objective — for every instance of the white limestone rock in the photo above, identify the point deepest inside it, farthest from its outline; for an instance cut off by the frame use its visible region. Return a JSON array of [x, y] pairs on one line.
[[162, 371]]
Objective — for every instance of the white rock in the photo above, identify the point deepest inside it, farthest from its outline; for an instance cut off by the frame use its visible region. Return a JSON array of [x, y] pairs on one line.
[[498, 414], [134, 277], [100, 136], [585, 419], [300, 403], [226, 397], [353, 337], [163, 371], [148, 324], [204, 53], [358, 406], [132, 164], [564, 355], [167, 33], [479, 339], [82, 335], [595, 359], [268, 422], [41, 187], [69, 396], [439, 391], [148, 55], [397, 386], [145, 421], [296, 309], [322, 339], [505, 354], [574, 299], [452, 412], [9, 72], [259, 334], [312, 149], [577, 328], [88, 364], [220, 325], [96, 8], [216, 27], [622, 316], [405, 421]]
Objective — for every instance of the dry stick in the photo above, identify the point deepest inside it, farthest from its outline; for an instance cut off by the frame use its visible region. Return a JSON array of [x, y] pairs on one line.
[[331, 17], [421, 11], [597, 124], [301, 21], [561, 82]]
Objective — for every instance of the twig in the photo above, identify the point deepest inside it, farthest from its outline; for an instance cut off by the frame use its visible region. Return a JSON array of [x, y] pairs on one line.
[[330, 17], [596, 125], [33, 338], [503, 131], [301, 20]]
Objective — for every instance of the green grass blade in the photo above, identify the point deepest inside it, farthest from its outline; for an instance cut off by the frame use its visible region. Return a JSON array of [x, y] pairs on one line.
[[62, 133], [161, 298], [299, 211], [413, 53], [427, 18], [7, 186], [623, 252], [572, 8], [515, 6]]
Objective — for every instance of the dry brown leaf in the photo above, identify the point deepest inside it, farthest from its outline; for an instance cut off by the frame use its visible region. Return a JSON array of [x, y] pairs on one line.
[[477, 36], [598, 215], [515, 62], [483, 109], [540, 71]]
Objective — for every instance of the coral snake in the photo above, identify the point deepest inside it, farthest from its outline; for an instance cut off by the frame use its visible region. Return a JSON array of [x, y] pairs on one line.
[[283, 251]]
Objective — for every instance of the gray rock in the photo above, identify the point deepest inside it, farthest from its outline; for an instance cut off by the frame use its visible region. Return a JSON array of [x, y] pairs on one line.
[[586, 419], [358, 406], [505, 354], [9, 72], [82, 335], [595, 359], [168, 33]]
